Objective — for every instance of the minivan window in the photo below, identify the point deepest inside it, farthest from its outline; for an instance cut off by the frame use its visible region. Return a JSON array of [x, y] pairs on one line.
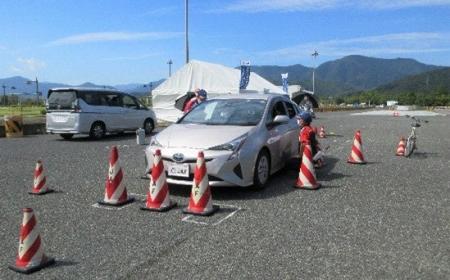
[[290, 109], [114, 99], [129, 102], [62, 100]]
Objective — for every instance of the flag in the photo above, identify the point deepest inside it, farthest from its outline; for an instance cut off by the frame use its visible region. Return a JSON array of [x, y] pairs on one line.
[[284, 78], [245, 74]]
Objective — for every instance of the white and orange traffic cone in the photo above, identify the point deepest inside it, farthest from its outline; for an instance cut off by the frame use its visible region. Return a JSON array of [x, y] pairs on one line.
[[322, 133], [158, 193], [401, 147], [307, 175], [30, 257], [115, 192], [39, 180], [200, 201], [356, 155]]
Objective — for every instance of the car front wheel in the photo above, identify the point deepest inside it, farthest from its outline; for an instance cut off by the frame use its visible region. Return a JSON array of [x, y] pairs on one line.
[[262, 170]]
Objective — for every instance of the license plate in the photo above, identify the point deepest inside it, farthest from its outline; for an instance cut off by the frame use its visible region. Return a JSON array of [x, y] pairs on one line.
[[60, 118], [180, 170]]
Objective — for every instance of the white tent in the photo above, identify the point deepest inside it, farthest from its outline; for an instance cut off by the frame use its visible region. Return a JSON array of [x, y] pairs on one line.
[[216, 79]]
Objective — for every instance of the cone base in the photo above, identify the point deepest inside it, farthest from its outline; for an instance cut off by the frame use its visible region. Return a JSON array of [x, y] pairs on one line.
[[129, 200], [31, 269], [161, 209], [209, 212], [41, 193], [355, 162], [400, 155], [315, 187]]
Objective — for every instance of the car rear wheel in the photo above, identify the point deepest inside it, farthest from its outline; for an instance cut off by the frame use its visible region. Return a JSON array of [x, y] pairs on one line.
[[148, 126], [67, 136], [262, 170], [97, 131]]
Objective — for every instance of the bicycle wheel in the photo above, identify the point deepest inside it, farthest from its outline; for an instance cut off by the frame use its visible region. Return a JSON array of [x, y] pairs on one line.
[[409, 147]]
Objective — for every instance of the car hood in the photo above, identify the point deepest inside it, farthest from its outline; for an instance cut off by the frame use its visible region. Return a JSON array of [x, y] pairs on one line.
[[199, 136]]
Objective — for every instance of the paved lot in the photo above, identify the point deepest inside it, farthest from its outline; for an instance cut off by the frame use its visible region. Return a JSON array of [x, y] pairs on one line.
[[389, 219]]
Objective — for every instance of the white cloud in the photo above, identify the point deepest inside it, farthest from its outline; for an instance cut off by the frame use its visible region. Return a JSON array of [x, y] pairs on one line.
[[398, 43], [255, 6], [113, 36], [28, 65]]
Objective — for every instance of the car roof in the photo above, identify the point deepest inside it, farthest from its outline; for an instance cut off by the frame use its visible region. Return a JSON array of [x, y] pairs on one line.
[[86, 89], [267, 96]]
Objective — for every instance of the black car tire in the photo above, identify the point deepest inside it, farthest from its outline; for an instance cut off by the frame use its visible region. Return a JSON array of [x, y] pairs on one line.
[[262, 170], [66, 136], [97, 131]]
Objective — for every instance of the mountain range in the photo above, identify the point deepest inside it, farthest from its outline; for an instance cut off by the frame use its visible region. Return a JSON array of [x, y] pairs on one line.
[[349, 74], [346, 75]]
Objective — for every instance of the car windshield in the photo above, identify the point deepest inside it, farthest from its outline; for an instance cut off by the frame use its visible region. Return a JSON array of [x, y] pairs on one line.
[[227, 112]]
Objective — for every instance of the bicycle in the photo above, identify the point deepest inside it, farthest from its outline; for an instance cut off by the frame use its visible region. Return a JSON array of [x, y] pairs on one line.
[[412, 138]]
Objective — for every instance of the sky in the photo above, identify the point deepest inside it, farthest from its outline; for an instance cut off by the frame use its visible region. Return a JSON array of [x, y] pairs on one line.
[[121, 41]]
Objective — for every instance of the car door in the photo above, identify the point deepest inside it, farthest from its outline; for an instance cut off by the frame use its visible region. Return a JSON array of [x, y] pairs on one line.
[[132, 118], [277, 141], [293, 130], [113, 113]]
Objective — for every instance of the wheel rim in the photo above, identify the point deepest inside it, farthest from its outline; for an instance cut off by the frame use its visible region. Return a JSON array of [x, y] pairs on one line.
[[98, 131], [263, 170]]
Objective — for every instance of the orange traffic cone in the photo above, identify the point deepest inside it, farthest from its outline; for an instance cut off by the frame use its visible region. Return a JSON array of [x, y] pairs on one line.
[[200, 201], [115, 193], [356, 155], [39, 186], [307, 175], [401, 147], [158, 193], [30, 257], [322, 133]]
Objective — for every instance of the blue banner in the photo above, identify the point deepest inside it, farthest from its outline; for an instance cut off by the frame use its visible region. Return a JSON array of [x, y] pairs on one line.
[[245, 75], [284, 79]]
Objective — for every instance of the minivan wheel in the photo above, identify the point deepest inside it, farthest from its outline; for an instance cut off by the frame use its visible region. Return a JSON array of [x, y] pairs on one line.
[[66, 136], [97, 130], [262, 170], [148, 126]]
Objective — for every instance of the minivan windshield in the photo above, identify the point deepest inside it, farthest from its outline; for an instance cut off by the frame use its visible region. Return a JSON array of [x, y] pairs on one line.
[[227, 112], [61, 100]]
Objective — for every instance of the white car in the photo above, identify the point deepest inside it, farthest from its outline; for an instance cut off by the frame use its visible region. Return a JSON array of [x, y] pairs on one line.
[[95, 112], [245, 139]]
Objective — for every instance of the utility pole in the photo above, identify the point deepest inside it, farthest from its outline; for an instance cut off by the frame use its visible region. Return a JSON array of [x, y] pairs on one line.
[[186, 29], [170, 67], [315, 55]]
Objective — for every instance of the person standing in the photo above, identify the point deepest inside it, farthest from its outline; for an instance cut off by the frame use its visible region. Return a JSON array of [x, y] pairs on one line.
[[200, 96]]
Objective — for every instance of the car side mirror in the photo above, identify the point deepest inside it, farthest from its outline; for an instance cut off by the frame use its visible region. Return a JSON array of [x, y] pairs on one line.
[[281, 119]]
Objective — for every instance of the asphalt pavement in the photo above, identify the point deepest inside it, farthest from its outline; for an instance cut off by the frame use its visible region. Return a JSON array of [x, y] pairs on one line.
[[388, 219]]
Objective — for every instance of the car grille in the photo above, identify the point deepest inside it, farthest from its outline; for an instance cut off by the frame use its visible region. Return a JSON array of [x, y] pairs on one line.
[[191, 177], [185, 161]]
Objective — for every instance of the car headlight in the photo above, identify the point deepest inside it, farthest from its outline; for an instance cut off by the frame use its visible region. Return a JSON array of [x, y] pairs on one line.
[[154, 142], [234, 146]]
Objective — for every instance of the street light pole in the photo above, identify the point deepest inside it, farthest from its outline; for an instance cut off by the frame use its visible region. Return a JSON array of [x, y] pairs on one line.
[[170, 67], [186, 29], [315, 55], [37, 91]]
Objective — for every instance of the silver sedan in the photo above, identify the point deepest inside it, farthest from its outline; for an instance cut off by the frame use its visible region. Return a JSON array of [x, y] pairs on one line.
[[245, 138]]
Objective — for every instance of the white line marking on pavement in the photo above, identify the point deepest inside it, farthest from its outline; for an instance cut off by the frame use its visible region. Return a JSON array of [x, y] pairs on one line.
[[228, 216], [188, 217], [97, 205]]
